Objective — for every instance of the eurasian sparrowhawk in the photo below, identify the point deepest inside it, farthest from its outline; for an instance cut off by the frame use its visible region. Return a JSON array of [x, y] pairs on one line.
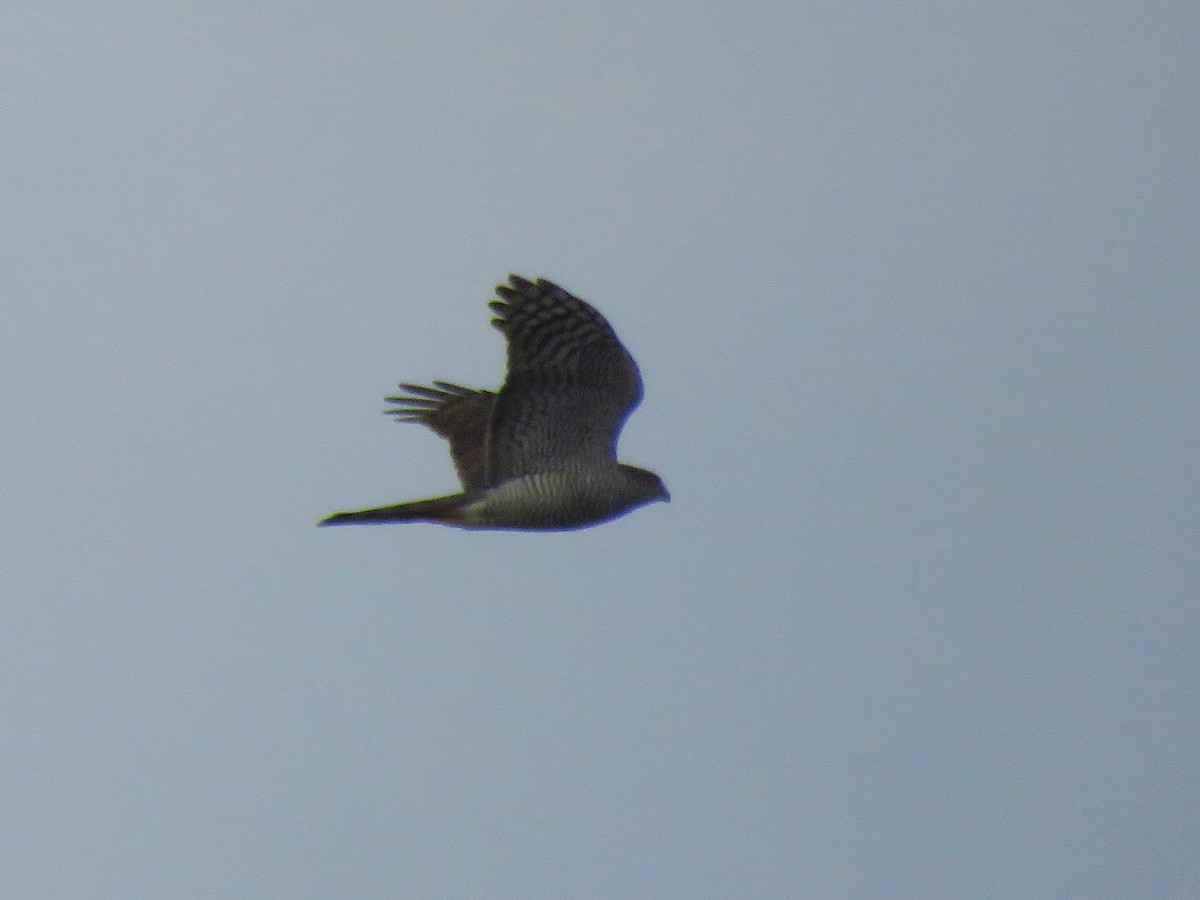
[[540, 453]]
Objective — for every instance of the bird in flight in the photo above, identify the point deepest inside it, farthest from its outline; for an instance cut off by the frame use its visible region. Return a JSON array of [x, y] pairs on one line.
[[540, 453]]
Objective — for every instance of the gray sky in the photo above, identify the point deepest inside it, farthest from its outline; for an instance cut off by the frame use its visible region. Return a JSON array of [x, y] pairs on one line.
[[914, 291]]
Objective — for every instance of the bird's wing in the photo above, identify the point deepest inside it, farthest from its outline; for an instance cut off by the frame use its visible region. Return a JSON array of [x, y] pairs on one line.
[[570, 385], [459, 414]]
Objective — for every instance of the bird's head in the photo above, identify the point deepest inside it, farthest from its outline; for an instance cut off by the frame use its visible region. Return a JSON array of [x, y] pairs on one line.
[[650, 486]]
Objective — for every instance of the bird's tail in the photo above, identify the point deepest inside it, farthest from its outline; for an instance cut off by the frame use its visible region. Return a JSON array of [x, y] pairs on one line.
[[444, 510]]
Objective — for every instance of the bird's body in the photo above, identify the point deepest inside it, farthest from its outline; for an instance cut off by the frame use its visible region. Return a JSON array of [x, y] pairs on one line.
[[539, 454]]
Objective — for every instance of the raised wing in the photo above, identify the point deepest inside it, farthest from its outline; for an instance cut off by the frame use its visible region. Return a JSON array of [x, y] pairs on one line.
[[570, 386], [459, 414]]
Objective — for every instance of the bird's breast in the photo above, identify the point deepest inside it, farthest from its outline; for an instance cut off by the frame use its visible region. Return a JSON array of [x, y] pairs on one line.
[[549, 501]]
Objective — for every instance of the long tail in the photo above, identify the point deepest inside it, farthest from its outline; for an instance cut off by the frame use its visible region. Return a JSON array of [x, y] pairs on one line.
[[444, 510]]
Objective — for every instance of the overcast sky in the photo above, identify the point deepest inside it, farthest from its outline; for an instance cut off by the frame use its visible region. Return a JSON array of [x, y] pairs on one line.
[[915, 292]]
